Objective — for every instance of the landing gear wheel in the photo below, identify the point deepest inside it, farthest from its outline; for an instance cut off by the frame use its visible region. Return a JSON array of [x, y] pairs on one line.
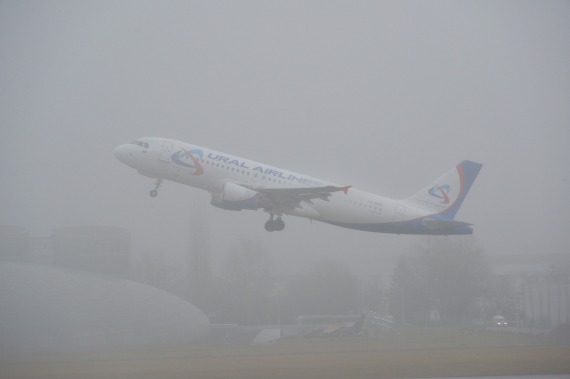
[[275, 225], [278, 225], [154, 192], [269, 226]]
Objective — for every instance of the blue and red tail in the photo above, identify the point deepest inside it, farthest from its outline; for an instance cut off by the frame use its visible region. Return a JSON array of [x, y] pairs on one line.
[[444, 196]]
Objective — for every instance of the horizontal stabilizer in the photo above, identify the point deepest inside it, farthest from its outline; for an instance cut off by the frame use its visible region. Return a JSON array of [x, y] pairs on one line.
[[435, 224]]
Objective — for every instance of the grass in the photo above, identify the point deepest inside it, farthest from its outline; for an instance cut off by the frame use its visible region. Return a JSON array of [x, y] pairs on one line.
[[398, 340], [406, 339], [405, 353]]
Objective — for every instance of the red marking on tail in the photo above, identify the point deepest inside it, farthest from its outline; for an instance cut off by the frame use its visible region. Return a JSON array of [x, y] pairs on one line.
[[345, 189]]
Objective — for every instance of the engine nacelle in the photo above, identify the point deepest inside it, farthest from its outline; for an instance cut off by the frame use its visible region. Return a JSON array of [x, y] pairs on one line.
[[235, 198]]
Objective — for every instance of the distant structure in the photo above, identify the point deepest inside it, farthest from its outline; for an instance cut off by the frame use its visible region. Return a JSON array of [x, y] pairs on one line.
[[543, 301], [99, 249], [70, 292], [14, 243], [199, 259], [541, 283], [52, 309]]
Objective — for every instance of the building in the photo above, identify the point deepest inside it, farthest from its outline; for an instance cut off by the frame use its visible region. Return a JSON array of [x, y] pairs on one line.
[[46, 309]]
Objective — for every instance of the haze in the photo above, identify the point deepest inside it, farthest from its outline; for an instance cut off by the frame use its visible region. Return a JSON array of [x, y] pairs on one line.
[[384, 96]]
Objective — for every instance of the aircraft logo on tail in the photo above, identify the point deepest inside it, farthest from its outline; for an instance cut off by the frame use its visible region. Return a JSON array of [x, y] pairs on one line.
[[440, 192], [195, 155]]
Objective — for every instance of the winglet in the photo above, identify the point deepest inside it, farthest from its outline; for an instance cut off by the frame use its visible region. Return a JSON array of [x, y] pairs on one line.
[[345, 189]]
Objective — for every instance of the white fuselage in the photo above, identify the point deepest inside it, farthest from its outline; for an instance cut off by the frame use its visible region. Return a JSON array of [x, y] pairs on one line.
[[212, 170]]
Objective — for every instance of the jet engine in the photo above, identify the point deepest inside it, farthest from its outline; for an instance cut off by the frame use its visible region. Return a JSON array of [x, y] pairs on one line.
[[235, 198]]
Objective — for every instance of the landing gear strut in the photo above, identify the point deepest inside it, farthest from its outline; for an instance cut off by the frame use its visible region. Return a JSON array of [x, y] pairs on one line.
[[154, 192], [276, 225]]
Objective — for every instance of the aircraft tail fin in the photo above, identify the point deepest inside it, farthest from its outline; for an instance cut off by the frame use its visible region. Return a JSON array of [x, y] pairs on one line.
[[445, 195]]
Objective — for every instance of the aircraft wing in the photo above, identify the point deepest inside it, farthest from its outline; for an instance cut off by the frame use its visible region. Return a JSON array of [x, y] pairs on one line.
[[292, 197]]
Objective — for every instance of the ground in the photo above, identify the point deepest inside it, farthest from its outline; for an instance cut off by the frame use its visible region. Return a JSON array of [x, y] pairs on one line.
[[397, 355]]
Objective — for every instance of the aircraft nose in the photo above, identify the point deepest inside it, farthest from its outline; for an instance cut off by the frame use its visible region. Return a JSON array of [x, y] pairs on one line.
[[122, 153]]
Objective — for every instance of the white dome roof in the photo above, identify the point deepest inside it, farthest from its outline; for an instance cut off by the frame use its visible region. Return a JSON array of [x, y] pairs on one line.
[[50, 308]]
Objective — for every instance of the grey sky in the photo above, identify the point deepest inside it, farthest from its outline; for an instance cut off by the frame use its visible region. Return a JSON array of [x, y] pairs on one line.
[[381, 95]]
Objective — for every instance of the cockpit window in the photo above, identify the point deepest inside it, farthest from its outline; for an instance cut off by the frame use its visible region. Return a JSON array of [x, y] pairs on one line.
[[140, 143]]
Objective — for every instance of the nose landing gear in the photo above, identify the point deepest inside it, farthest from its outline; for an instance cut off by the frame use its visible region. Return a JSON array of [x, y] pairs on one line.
[[276, 225], [154, 192]]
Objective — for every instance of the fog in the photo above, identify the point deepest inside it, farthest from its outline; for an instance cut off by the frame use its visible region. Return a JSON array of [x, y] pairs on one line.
[[384, 96]]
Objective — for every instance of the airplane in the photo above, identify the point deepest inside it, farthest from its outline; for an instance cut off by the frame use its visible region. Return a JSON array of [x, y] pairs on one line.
[[241, 184]]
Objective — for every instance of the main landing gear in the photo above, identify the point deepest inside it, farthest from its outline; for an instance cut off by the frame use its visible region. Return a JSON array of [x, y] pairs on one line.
[[276, 225], [154, 192]]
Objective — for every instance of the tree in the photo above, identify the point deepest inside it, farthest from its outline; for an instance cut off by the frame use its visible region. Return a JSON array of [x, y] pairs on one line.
[[408, 299], [247, 285], [445, 275], [329, 287]]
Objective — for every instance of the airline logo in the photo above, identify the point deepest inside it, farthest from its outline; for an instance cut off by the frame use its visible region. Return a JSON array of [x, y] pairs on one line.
[[190, 159], [261, 169], [440, 192]]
